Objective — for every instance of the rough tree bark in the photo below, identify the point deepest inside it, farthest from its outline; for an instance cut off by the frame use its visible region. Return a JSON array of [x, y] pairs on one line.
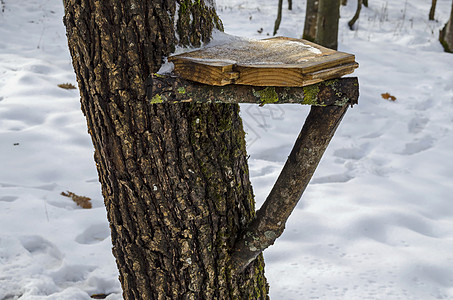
[[327, 23], [311, 16], [446, 34], [174, 176]]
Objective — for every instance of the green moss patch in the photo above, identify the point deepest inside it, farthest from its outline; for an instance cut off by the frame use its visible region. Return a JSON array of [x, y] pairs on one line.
[[311, 94], [156, 99], [267, 95]]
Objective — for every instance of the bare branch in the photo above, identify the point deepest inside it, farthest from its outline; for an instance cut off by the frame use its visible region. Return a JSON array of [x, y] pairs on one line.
[[279, 17], [356, 15]]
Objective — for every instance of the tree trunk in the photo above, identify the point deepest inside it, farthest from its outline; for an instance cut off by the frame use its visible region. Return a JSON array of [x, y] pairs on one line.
[[327, 23], [311, 16], [432, 10], [446, 34], [174, 176]]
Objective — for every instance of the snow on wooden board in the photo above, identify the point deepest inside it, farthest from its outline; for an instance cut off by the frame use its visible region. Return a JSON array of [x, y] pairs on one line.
[[276, 61]]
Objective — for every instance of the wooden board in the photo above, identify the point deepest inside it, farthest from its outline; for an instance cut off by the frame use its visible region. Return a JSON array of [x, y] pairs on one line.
[[276, 61]]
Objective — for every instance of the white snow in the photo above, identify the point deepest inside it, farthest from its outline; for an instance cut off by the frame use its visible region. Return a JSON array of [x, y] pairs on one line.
[[247, 51], [376, 222]]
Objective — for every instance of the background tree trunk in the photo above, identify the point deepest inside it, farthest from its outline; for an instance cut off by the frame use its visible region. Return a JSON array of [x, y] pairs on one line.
[[174, 176], [446, 34], [327, 23], [432, 10], [311, 16]]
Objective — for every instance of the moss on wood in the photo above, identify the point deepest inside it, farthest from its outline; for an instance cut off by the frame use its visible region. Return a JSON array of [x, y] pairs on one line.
[[311, 94], [266, 95]]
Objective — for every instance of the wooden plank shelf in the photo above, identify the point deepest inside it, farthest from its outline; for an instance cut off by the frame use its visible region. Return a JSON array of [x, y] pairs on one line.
[[276, 61]]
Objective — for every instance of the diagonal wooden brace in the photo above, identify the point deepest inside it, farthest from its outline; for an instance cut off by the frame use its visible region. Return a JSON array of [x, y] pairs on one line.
[[271, 218]]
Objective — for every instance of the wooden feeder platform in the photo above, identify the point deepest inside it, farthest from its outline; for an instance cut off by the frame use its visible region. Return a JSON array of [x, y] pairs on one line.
[[278, 61], [276, 70]]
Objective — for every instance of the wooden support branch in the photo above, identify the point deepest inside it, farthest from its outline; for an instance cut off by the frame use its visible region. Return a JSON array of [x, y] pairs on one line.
[[270, 220], [169, 89]]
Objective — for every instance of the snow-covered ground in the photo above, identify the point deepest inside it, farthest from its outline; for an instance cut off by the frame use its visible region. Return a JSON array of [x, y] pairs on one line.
[[376, 222]]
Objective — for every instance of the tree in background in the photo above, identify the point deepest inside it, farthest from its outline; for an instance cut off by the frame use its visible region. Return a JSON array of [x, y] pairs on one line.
[[446, 34], [321, 22], [327, 23], [174, 176], [432, 10], [311, 16]]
